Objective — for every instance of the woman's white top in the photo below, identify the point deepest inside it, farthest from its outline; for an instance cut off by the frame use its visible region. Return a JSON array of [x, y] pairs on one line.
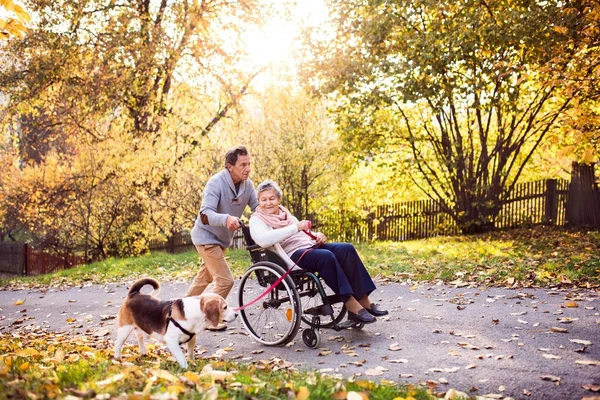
[[269, 238]]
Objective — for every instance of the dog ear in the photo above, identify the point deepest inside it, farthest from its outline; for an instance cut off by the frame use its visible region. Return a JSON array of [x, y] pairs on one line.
[[211, 310]]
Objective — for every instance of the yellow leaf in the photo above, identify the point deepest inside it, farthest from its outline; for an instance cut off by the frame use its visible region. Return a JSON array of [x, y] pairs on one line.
[[3, 371], [112, 379], [60, 355], [18, 302], [561, 29], [163, 374], [24, 366], [588, 155], [303, 393], [572, 304], [28, 352], [192, 376]]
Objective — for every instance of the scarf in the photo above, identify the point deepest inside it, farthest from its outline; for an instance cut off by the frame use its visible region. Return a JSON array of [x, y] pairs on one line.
[[284, 218]]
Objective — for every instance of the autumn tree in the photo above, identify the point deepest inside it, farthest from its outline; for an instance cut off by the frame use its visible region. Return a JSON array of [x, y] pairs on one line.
[[457, 89], [138, 85], [293, 141], [14, 24]]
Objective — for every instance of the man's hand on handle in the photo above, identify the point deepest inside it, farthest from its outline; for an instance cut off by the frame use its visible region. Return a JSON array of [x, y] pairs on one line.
[[233, 224]]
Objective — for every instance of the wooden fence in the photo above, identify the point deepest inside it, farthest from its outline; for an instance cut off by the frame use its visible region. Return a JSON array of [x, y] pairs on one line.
[[21, 259], [531, 203]]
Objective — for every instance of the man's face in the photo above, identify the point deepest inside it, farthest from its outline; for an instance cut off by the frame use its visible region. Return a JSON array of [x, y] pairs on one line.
[[241, 170]]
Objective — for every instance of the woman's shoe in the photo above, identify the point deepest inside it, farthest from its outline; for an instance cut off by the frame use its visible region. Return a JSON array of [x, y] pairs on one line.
[[376, 311], [362, 316]]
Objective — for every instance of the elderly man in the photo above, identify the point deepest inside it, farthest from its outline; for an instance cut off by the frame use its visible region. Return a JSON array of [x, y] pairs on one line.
[[224, 199]]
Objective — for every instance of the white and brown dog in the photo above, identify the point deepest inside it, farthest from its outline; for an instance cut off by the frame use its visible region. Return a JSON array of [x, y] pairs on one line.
[[173, 322]]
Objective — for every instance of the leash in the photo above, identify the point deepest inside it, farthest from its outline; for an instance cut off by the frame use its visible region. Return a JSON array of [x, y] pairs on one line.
[[282, 277], [181, 328]]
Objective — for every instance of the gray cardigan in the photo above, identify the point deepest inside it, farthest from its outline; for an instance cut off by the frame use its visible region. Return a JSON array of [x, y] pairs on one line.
[[220, 200]]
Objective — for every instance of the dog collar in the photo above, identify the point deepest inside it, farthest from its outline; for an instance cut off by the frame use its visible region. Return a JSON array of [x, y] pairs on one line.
[[181, 328]]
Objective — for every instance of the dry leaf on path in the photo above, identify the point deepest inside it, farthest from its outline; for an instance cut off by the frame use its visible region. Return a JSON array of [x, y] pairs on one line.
[[559, 330], [592, 388], [582, 342], [588, 362], [394, 347], [551, 378], [551, 356]]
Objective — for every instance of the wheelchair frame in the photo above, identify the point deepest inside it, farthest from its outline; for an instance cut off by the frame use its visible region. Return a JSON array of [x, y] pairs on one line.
[[276, 319]]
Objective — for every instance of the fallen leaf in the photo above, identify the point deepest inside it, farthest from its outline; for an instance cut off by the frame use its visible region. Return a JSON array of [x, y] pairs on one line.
[[551, 356], [112, 379], [559, 330], [582, 342], [394, 347], [164, 374], [303, 393], [592, 388], [588, 362], [471, 366], [551, 378], [18, 302], [572, 304]]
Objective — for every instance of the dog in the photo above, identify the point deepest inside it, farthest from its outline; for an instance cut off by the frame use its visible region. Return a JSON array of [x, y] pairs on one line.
[[173, 322]]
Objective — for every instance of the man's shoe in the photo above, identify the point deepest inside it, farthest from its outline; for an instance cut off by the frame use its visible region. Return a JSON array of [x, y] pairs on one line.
[[218, 328], [363, 317], [376, 311]]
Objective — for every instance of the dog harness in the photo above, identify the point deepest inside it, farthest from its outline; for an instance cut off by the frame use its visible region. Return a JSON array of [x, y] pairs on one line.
[[181, 328]]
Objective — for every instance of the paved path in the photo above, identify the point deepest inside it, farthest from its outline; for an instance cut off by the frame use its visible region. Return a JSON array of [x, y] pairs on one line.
[[478, 340]]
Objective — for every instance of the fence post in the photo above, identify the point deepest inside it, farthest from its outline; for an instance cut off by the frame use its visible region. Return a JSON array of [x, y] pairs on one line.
[[25, 263], [551, 209]]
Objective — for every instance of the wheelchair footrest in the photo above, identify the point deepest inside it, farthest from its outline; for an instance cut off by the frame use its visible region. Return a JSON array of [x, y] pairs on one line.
[[323, 309], [346, 324]]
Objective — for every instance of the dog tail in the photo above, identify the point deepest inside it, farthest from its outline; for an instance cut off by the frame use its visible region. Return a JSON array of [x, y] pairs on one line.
[[138, 285]]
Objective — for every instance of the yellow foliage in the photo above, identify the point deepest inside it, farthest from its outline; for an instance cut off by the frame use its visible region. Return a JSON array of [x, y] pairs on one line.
[[303, 393], [13, 25]]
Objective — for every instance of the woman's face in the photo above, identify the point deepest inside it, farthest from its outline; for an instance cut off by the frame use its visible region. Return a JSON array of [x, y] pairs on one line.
[[269, 201]]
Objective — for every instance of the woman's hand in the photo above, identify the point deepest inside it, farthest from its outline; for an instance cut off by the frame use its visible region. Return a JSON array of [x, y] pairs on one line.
[[321, 238], [303, 225]]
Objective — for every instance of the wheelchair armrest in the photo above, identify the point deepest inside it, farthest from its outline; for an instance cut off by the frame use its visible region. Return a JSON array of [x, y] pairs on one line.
[[253, 247]]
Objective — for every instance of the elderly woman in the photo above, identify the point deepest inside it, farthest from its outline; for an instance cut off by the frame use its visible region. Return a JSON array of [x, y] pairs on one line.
[[272, 226]]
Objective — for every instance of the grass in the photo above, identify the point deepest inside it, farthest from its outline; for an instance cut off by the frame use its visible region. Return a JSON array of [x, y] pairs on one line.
[[538, 256], [42, 365]]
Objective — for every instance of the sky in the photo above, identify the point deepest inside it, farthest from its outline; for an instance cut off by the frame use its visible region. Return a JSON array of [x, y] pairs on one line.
[[274, 45]]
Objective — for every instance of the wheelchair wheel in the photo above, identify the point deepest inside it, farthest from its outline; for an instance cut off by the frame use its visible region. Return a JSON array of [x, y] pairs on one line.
[[274, 319], [311, 338], [311, 298]]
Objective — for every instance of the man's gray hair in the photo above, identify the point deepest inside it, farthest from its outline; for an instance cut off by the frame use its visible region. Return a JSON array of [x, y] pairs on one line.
[[269, 185]]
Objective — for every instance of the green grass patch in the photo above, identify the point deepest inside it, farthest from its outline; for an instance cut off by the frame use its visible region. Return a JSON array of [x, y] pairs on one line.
[[536, 256]]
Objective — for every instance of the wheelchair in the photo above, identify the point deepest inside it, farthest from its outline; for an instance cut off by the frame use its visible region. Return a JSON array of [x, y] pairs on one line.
[[275, 319]]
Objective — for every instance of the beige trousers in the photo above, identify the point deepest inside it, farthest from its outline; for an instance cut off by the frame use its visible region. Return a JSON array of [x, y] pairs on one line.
[[213, 267]]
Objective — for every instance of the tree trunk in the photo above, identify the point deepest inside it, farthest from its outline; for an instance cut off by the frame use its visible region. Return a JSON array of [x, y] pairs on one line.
[[583, 204]]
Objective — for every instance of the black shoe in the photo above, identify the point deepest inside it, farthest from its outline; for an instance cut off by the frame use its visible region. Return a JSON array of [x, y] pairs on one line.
[[376, 311], [363, 316]]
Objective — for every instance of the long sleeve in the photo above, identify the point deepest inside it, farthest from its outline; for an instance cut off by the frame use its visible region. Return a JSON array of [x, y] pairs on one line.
[[265, 236], [210, 203]]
